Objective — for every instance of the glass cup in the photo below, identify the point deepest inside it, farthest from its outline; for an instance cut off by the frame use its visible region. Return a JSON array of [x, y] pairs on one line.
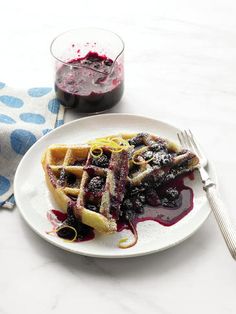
[[89, 69]]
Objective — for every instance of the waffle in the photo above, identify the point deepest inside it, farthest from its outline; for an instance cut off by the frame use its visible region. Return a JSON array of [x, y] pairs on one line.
[[94, 192]]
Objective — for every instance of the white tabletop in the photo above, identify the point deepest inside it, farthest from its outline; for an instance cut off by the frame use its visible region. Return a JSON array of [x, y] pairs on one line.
[[180, 67]]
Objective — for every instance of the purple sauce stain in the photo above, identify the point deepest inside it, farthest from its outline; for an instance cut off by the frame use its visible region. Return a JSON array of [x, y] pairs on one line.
[[51, 176]]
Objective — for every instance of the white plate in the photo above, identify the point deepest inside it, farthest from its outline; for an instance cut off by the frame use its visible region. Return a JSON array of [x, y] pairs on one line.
[[33, 198]]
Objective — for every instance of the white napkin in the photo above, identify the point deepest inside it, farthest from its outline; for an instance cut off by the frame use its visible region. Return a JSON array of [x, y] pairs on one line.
[[25, 116]]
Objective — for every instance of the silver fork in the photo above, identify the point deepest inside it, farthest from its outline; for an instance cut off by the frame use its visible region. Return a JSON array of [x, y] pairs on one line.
[[225, 224]]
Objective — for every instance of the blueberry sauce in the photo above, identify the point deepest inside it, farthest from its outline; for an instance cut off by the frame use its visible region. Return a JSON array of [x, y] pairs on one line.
[[92, 83], [57, 218], [173, 202], [165, 215]]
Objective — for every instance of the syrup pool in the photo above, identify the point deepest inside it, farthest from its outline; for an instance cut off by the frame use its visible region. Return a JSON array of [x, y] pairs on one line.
[[166, 216]]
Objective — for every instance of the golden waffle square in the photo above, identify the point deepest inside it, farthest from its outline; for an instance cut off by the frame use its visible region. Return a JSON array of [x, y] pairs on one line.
[[63, 167]]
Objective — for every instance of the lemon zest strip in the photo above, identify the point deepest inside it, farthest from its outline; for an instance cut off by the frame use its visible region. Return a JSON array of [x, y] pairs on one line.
[[94, 149], [122, 241], [114, 144], [141, 162]]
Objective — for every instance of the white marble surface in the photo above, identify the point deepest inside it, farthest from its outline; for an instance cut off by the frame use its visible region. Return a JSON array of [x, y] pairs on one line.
[[180, 67]]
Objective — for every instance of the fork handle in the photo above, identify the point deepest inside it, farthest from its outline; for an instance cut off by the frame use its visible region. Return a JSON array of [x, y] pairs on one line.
[[227, 228]]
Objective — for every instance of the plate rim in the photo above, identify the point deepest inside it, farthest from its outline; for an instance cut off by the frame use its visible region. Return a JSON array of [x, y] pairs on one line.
[[127, 255]]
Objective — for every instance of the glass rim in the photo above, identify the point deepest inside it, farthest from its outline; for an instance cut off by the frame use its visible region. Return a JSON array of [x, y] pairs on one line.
[[85, 28]]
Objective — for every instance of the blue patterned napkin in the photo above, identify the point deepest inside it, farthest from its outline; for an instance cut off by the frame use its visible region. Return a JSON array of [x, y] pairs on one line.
[[25, 116]]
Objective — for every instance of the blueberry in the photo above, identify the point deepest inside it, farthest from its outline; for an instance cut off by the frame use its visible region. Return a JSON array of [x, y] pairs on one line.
[[149, 182], [92, 207], [166, 159], [162, 159], [96, 184], [152, 198], [127, 204], [142, 198], [137, 140], [102, 161], [108, 62], [134, 191], [156, 147], [70, 220], [146, 184], [71, 179], [172, 194], [82, 230], [158, 182], [147, 155], [66, 178], [138, 206], [170, 176], [66, 232]]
